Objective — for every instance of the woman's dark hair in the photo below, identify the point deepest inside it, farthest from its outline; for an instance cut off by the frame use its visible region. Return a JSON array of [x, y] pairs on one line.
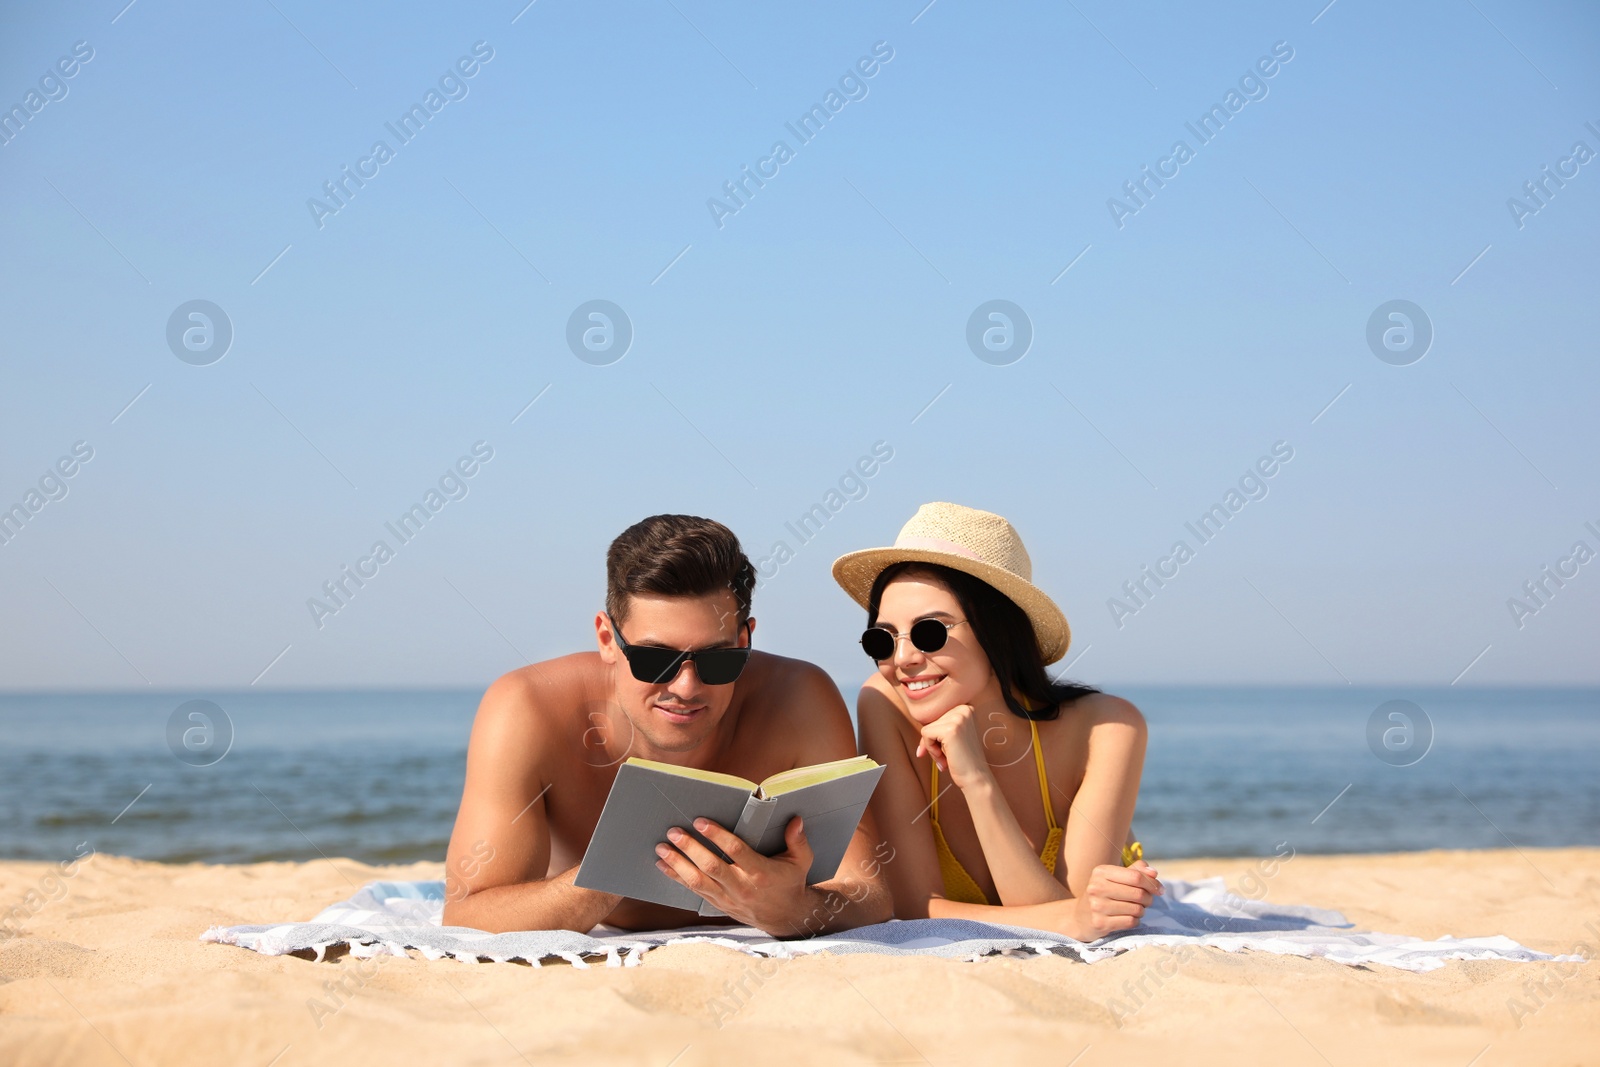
[[1003, 631]]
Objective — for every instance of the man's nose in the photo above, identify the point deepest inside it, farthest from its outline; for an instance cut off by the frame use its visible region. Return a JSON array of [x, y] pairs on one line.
[[686, 682]]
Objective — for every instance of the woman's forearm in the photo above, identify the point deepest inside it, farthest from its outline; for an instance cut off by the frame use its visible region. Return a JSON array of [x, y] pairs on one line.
[[1019, 877], [1056, 916]]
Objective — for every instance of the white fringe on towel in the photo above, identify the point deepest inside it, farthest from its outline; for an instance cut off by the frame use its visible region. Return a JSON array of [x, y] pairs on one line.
[[389, 918]]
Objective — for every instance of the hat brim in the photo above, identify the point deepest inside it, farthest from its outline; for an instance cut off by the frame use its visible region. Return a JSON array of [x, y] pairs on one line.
[[856, 571]]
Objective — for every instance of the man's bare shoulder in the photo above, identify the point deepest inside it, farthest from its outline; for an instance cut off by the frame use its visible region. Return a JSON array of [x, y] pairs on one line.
[[528, 699], [788, 683], [791, 710]]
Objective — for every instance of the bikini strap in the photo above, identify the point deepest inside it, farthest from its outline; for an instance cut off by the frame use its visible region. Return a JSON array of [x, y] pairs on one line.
[[1044, 784]]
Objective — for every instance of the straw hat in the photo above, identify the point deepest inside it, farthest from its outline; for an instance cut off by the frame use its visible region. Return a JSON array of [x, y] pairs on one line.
[[978, 543]]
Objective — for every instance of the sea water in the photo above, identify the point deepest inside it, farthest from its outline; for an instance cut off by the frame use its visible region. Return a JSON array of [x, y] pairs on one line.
[[377, 775]]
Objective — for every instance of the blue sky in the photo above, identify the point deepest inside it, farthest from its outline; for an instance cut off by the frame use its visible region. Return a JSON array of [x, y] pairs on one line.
[[828, 314]]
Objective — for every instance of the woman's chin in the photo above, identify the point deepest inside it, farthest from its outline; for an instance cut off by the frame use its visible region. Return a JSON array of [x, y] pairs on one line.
[[931, 711]]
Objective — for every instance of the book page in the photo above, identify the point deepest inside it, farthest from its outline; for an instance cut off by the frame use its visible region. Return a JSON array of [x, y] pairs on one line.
[[801, 777], [715, 777]]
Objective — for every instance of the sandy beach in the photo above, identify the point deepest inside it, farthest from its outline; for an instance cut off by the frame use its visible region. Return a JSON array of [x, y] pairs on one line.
[[111, 972]]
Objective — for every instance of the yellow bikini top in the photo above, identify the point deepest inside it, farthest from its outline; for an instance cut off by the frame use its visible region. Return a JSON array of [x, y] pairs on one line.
[[958, 884]]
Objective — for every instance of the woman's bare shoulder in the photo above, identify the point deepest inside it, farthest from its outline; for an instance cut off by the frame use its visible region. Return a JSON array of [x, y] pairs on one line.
[[1101, 721], [881, 719], [875, 683], [1099, 708], [878, 700]]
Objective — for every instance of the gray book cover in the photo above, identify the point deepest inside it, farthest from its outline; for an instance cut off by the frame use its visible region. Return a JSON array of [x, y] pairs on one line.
[[644, 803]]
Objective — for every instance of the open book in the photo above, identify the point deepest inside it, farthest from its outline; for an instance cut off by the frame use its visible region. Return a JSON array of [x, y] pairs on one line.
[[649, 798]]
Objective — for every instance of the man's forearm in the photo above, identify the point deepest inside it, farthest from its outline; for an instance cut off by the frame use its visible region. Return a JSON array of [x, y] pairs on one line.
[[547, 904], [841, 904]]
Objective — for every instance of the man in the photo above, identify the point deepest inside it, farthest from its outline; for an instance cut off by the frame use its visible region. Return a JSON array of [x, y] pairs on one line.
[[549, 737]]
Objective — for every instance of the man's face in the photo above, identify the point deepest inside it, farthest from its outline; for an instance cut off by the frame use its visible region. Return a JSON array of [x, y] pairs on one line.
[[680, 713]]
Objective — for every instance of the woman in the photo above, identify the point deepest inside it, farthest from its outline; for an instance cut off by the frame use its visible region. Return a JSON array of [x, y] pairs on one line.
[[1007, 798]]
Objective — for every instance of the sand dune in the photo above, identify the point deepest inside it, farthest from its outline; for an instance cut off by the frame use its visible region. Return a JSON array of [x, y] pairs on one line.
[[110, 972]]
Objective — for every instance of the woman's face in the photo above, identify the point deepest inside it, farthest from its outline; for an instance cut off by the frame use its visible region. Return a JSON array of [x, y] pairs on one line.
[[931, 683]]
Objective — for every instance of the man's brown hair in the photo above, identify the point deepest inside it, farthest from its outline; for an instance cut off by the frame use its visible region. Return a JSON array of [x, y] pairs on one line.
[[677, 555]]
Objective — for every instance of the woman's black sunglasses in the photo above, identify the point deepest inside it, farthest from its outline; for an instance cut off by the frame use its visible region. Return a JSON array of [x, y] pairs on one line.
[[716, 666], [927, 635]]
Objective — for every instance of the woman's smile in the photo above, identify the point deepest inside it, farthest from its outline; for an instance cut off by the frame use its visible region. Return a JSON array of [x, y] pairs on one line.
[[919, 687]]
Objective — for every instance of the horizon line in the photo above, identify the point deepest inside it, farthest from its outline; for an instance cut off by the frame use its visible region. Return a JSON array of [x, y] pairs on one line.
[[445, 687]]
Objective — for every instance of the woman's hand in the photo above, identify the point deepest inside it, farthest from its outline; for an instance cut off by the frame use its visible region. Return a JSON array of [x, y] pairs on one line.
[[1114, 900], [953, 742]]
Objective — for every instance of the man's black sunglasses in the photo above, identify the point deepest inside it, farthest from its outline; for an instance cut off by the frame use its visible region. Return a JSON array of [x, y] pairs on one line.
[[928, 635], [649, 663]]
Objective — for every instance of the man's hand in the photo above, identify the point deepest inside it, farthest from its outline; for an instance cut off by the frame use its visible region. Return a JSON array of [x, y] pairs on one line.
[[767, 892], [953, 742], [1114, 900]]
